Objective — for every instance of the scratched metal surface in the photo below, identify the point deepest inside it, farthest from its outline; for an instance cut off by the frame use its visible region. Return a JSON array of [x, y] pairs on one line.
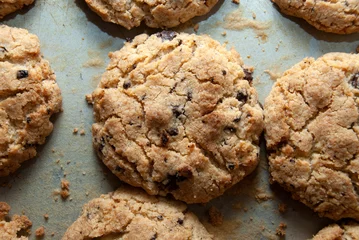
[[71, 35]]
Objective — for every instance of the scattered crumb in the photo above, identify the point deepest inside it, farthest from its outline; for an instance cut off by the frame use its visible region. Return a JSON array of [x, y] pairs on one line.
[[84, 173], [254, 16], [282, 208], [215, 216], [249, 56], [52, 234], [75, 131], [82, 132], [68, 162], [224, 34], [65, 189], [94, 62], [40, 232], [280, 231], [236, 1], [195, 27], [87, 193], [273, 75], [235, 21], [245, 209], [357, 49], [57, 161], [88, 98], [46, 216], [53, 150]]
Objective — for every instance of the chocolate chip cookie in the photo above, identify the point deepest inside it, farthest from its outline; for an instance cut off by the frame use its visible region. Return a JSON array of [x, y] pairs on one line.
[[132, 214], [176, 113], [9, 6], [155, 14], [339, 232], [336, 16], [29, 96], [11, 230], [311, 124]]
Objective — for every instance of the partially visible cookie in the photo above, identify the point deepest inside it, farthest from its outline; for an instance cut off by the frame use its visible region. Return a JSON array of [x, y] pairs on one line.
[[130, 213], [9, 6], [348, 231], [176, 113], [10, 230], [29, 96], [312, 134], [336, 16], [155, 14]]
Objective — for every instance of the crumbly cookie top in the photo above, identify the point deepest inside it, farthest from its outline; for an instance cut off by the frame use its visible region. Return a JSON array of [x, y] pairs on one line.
[[155, 14], [337, 16], [176, 114], [311, 121], [9, 6], [29, 96], [131, 214], [9, 230], [338, 232]]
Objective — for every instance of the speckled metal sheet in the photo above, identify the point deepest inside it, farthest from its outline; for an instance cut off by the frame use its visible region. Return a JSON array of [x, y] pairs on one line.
[[76, 42]]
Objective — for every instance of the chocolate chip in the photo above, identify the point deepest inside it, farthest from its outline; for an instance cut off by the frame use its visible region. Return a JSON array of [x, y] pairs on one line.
[[166, 35], [164, 139], [180, 221], [237, 119], [173, 88], [160, 217], [102, 144], [128, 39], [173, 131], [3, 49], [28, 119], [354, 81], [154, 237], [189, 96], [177, 111], [230, 166], [248, 75], [292, 160], [230, 129], [126, 85], [179, 42], [242, 97], [118, 169], [224, 72], [22, 74], [48, 110]]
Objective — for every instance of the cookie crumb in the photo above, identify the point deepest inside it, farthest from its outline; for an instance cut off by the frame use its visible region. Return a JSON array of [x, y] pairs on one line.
[[357, 49], [88, 98], [215, 216], [46, 216], [65, 189], [282, 208], [236, 1], [254, 16], [52, 234], [195, 27], [82, 132], [224, 34], [40, 232], [75, 131], [280, 231]]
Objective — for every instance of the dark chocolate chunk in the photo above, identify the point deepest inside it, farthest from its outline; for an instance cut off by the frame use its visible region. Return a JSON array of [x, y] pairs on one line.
[[173, 131], [230, 129], [3, 49], [242, 97], [248, 75], [173, 88], [177, 111], [28, 119], [166, 35], [128, 39], [154, 237], [237, 119], [292, 160], [354, 81], [160, 217], [102, 144], [230, 166], [118, 169], [180, 42], [189, 96], [180, 221], [224, 72], [126, 85], [22, 74], [164, 139]]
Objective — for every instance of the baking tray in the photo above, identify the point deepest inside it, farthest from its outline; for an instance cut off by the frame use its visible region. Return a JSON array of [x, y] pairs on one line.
[[76, 42]]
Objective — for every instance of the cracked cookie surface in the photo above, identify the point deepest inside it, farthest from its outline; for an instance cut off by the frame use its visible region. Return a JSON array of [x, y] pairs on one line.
[[311, 129], [336, 16], [9, 6], [29, 95], [132, 214], [10, 230], [346, 231], [176, 113], [155, 14]]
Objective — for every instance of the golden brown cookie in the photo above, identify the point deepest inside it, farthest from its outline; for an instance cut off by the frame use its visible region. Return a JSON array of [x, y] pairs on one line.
[[10, 230], [155, 14], [349, 231], [312, 130], [9, 6], [130, 213], [176, 113], [29, 96], [336, 16]]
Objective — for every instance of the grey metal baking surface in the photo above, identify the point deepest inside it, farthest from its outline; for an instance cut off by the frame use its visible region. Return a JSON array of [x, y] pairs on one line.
[[76, 42]]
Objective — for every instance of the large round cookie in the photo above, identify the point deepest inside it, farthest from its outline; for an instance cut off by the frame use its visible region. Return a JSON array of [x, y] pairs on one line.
[[339, 16], [29, 95], [349, 231], [155, 14], [9, 6], [311, 122], [175, 114], [131, 214], [15, 228]]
